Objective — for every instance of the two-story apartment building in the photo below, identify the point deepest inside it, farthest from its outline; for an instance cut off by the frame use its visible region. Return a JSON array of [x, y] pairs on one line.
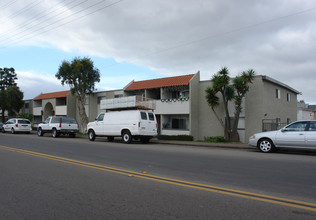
[[181, 107]]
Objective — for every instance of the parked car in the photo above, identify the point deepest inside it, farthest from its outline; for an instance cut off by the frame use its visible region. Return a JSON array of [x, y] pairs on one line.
[[128, 124], [58, 125], [1, 125], [299, 135], [15, 125]]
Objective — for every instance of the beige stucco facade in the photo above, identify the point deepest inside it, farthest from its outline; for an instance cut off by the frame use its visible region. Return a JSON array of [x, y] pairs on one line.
[[184, 109]]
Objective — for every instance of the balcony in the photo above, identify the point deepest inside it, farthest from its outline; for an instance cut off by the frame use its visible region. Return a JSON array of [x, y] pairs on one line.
[[61, 110], [37, 111], [172, 106]]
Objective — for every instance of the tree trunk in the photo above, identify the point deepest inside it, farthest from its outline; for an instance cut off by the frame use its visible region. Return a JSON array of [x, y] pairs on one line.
[[82, 112], [3, 115]]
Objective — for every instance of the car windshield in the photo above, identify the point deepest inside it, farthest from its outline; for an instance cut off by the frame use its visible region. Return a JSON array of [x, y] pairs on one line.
[[69, 120], [24, 121]]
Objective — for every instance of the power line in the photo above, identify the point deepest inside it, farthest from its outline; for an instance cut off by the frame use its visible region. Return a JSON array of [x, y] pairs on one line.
[[40, 23], [224, 33], [36, 17], [28, 36], [5, 5], [26, 8]]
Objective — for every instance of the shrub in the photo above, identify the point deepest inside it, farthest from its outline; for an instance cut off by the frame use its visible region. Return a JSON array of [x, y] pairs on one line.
[[215, 139], [176, 137]]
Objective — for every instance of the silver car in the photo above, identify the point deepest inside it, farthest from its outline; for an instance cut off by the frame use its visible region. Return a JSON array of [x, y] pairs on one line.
[[14, 125], [299, 135]]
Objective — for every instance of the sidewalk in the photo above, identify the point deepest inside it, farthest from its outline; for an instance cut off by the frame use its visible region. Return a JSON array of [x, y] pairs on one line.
[[204, 144], [195, 143]]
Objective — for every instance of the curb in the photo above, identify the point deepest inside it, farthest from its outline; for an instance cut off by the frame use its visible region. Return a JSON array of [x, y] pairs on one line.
[[204, 144]]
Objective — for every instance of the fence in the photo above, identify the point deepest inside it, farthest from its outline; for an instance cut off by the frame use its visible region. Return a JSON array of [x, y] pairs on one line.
[[272, 124]]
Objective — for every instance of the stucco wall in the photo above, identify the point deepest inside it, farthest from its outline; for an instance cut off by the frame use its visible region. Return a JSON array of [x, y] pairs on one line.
[[194, 106], [261, 103], [208, 123]]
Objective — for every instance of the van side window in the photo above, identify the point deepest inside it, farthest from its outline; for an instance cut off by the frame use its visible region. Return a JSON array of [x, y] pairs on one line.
[[100, 118], [143, 115], [151, 116]]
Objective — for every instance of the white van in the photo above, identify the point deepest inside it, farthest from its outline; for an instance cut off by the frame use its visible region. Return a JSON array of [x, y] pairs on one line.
[[128, 124]]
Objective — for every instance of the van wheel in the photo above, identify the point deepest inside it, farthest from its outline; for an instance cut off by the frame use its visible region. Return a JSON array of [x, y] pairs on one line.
[[127, 137], [3, 131], [12, 131], [40, 132], [54, 133], [111, 139], [91, 135]]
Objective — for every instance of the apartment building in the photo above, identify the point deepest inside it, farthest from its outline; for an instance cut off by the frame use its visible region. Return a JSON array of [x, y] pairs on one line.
[[181, 107]]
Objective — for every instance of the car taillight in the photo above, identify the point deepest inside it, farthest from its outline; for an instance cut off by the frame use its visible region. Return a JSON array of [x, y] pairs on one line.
[[16, 125], [139, 124], [60, 124]]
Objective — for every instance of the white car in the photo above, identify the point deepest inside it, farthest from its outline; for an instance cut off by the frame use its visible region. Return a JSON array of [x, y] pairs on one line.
[[14, 125], [299, 135], [58, 125]]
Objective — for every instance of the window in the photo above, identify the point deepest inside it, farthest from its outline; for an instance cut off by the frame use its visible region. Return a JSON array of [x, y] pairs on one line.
[[24, 121], [288, 97], [100, 117], [151, 116], [143, 115], [27, 105], [312, 126], [118, 96], [277, 94], [178, 122], [298, 126], [69, 120], [56, 120]]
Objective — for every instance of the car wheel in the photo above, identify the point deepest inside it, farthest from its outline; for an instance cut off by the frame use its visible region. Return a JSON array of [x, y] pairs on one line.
[[127, 137], [54, 133], [40, 132], [3, 131], [91, 135], [266, 145], [12, 131], [110, 139]]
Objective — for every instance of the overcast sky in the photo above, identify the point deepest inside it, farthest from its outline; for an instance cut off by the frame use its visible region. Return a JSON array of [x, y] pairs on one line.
[[143, 39]]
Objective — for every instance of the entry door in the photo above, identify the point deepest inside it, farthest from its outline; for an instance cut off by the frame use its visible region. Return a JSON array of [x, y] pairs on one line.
[[99, 124], [293, 135]]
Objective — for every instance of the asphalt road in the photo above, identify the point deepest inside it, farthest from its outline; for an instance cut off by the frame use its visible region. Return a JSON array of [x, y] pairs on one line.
[[189, 182]]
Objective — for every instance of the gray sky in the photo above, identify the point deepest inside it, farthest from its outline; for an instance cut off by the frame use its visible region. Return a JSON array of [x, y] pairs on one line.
[[162, 38]]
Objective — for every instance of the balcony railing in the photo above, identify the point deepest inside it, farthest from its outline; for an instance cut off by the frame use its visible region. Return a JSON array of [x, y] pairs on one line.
[[172, 106]]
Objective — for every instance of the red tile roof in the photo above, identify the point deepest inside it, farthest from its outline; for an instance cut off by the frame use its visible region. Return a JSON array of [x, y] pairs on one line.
[[52, 95], [158, 83]]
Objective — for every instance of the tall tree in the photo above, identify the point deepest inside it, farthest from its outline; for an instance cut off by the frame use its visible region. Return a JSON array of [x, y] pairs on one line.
[[7, 80], [14, 100], [231, 90], [81, 77]]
